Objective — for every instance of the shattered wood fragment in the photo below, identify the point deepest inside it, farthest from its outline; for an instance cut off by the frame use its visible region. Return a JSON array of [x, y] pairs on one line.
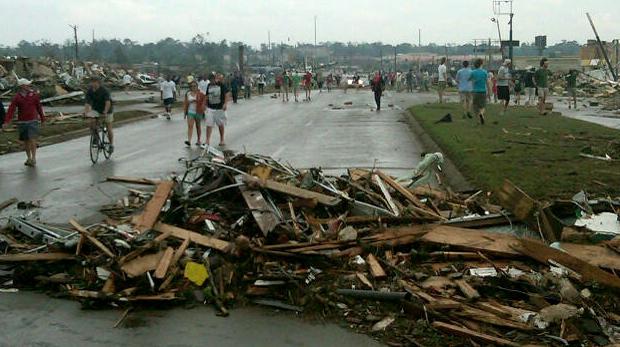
[[456, 330], [133, 180], [467, 290], [375, 268], [147, 219], [364, 280], [294, 191], [141, 249], [164, 263], [91, 238], [386, 195], [141, 265], [203, 240], [419, 206], [36, 257], [472, 239], [262, 211], [588, 272]]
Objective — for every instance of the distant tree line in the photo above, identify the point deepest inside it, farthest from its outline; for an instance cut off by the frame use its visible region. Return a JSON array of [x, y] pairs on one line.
[[221, 55]]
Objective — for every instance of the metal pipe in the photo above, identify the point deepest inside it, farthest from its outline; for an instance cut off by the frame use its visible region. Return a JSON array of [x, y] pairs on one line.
[[374, 295]]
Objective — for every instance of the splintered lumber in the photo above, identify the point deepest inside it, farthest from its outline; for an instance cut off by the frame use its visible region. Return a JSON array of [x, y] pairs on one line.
[[419, 207], [203, 240], [467, 290], [295, 191], [141, 265], [375, 268], [133, 180], [262, 211], [593, 254], [63, 97], [588, 272], [456, 330], [136, 252], [7, 203], [164, 263], [386, 194], [91, 238], [147, 219], [472, 239], [36, 257], [173, 264]]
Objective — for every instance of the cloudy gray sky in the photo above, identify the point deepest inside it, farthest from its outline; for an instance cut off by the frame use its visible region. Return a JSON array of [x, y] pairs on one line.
[[389, 21]]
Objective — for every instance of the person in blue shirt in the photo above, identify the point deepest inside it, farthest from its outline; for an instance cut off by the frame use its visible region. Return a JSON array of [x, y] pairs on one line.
[[465, 87], [478, 78]]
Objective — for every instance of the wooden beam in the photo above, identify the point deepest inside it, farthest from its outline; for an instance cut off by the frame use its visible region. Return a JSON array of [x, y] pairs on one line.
[[147, 219], [141, 265], [456, 330], [203, 240], [36, 257], [91, 238], [386, 194], [164, 263], [467, 290], [295, 191], [418, 205], [375, 268], [132, 180]]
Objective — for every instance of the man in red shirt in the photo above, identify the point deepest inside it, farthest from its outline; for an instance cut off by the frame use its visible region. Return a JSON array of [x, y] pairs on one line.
[[29, 114], [308, 84]]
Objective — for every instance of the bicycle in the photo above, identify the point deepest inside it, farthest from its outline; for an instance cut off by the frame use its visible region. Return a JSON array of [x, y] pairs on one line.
[[99, 140]]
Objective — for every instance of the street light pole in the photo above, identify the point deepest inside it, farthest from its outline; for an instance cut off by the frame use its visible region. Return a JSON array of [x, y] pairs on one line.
[[314, 41], [510, 38]]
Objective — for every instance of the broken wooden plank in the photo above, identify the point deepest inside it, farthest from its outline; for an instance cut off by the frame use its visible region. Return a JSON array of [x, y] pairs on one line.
[[7, 203], [164, 263], [364, 280], [375, 268], [203, 240], [91, 238], [36, 257], [386, 194], [419, 207], [470, 292], [262, 211], [456, 330], [294, 191], [147, 219], [472, 239], [132, 180], [544, 254], [141, 249], [141, 265], [63, 97]]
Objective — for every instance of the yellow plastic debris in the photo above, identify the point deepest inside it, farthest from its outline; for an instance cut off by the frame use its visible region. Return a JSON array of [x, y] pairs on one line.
[[196, 272]]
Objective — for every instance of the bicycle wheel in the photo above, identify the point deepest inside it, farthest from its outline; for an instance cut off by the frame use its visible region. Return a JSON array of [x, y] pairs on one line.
[[94, 146], [105, 145]]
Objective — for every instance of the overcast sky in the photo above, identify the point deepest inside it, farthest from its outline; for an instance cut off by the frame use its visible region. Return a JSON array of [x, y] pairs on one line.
[[389, 21]]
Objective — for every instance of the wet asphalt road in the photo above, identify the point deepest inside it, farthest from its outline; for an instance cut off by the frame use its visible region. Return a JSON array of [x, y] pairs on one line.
[[305, 134]]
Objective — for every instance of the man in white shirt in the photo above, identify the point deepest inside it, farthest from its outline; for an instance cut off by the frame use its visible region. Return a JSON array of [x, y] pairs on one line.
[[504, 79], [126, 82], [168, 93], [203, 84], [442, 79]]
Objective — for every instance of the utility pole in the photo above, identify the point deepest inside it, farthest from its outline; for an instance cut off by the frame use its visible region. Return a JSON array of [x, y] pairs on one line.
[[314, 60], [603, 49], [419, 37], [497, 9], [93, 36], [74, 27], [394, 59], [269, 46]]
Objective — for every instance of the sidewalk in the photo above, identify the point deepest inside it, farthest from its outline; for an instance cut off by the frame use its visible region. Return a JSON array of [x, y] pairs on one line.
[[610, 119]]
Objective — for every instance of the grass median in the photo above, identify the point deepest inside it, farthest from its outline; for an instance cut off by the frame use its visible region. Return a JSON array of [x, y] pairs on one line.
[[541, 154], [54, 130]]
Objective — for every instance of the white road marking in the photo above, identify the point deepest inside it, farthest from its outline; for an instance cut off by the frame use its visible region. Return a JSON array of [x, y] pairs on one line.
[[309, 123], [278, 152]]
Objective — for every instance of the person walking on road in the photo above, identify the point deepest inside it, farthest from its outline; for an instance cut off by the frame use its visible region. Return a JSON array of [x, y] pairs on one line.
[[30, 114], [287, 83], [168, 93], [279, 83], [248, 83], [99, 104], [480, 89], [442, 79], [194, 110], [127, 82], [218, 97], [409, 80], [377, 85], [308, 85], [542, 84], [504, 80], [296, 78], [571, 87], [465, 88], [235, 84], [261, 81]]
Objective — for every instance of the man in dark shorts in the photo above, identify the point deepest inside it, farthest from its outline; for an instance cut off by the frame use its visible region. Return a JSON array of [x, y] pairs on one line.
[[29, 113], [504, 80], [571, 87], [99, 104], [377, 85], [168, 92], [479, 79]]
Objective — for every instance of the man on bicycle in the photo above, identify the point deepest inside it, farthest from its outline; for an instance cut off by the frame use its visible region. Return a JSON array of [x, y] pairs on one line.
[[99, 104]]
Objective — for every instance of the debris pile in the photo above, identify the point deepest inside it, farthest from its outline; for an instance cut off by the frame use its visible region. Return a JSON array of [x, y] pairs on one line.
[[395, 258], [63, 80]]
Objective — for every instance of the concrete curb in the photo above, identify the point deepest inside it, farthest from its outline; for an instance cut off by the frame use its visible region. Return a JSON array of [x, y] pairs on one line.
[[453, 176]]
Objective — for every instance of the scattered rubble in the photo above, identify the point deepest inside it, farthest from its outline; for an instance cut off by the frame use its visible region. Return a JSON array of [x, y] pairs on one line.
[[395, 258]]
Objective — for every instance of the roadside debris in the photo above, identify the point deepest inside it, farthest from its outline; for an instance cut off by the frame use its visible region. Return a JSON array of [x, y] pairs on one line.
[[400, 261]]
